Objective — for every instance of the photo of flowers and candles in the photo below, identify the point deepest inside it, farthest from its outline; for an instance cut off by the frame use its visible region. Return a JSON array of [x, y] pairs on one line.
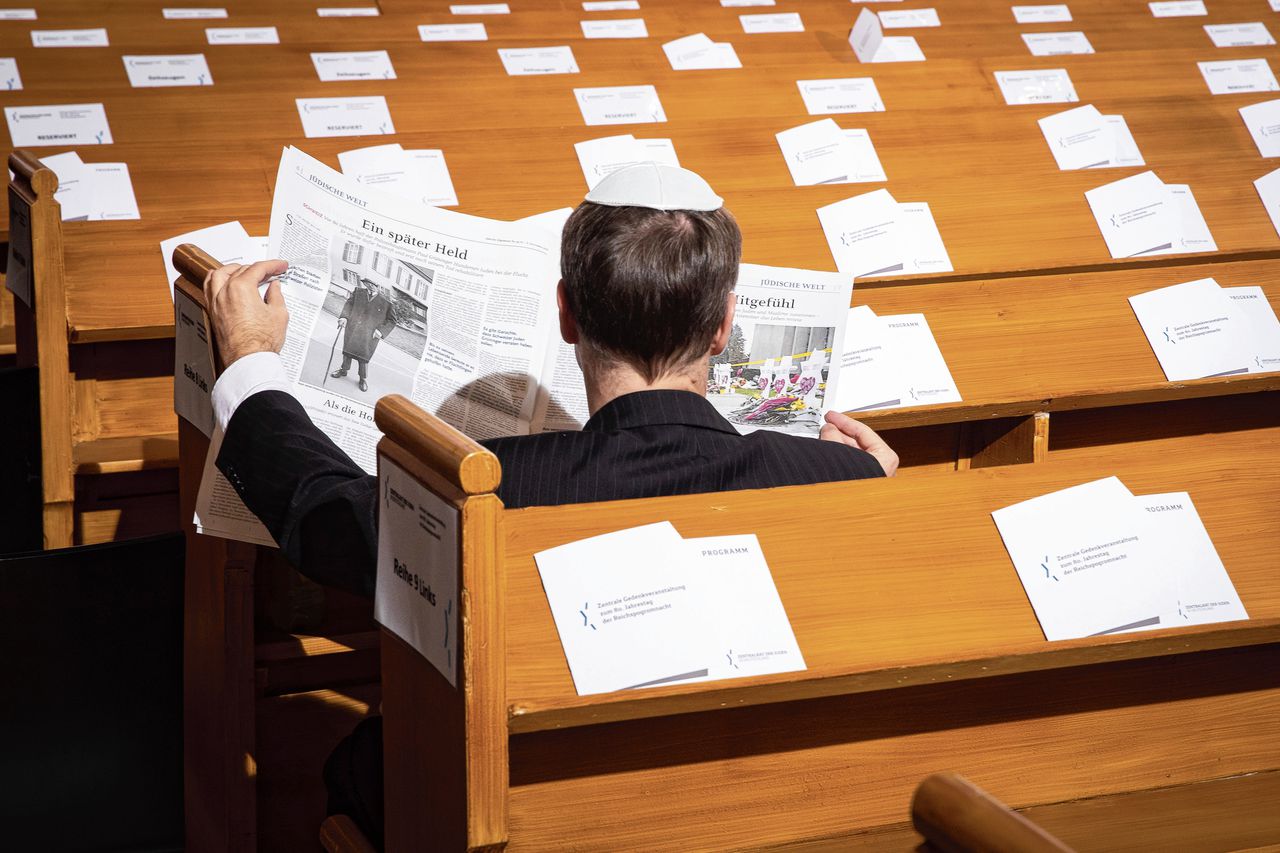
[[773, 376]]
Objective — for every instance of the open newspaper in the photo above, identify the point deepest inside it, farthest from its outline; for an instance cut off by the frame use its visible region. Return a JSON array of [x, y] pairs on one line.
[[458, 313]]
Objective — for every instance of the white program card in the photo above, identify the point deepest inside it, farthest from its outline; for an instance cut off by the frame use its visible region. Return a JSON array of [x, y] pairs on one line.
[[10, 79], [816, 153], [1079, 138], [1088, 561], [1048, 14], [345, 116], [227, 243], [629, 609], [699, 52], [845, 95], [1194, 329], [870, 44], [1205, 591], [61, 124], [180, 70], [1057, 44], [732, 3], [752, 631], [112, 192], [520, 61], [75, 185], [1264, 326], [903, 19], [1263, 121], [1037, 86], [600, 158], [620, 105], [609, 5], [355, 65], [922, 373], [778, 22], [923, 249], [348, 11], [194, 14], [616, 28], [1178, 9], [481, 9], [437, 187], [416, 591], [868, 366], [1238, 75], [864, 233], [69, 38], [1136, 215], [1126, 152], [452, 32], [1193, 232], [1239, 35], [242, 35], [17, 14], [864, 163], [1268, 187]]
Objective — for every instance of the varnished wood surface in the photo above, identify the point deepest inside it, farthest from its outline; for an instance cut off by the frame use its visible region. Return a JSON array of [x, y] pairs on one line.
[[956, 816]]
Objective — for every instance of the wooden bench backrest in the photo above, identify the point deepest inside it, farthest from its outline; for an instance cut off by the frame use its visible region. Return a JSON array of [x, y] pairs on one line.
[[956, 816]]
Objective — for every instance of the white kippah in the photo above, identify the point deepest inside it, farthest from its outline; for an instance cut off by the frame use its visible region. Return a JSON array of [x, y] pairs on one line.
[[656, 186]]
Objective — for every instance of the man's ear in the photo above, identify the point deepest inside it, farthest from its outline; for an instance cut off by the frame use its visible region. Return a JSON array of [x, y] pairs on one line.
[[721, 340], [568, 324]]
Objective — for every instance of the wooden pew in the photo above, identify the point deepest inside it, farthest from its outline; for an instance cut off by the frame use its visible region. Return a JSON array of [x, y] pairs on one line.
[[923, 653], [956, 816]]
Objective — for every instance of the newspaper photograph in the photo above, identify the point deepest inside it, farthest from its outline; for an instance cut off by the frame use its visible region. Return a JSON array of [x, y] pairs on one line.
[[777, 370]]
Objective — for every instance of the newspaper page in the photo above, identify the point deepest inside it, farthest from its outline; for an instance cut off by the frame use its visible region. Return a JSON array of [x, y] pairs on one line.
[[389, 296], [777, 369]]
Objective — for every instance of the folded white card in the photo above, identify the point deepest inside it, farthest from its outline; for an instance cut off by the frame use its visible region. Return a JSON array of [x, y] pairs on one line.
[[615, 28], [60, 124], [1036, 86], [520, 61], [452, 32], [348, 11], [923, 249], [180, 70], [345, 116], [227, 243], [481, 9], [75, 185], [17, 14], [1192, 231], [69, 38], [242, 35], [354, 65], [1239, 35], [1205, 591], [10, 79], [1238, 75], [864, 233], [901, 19], [1126, 153], [1263, 121], [1078, 138], [620, 105], [870, 44], [1194, 329], [698, 52], [602, 157], [779, 22], [921, 372], [112, 192], [1057, 44], [1047, 14], [1268, 187], [846, 95], [1136, 215], [816, 153], [194, 14], [867, 365], [1178, 8], [609, 5], [420, 175], [1264, 327]]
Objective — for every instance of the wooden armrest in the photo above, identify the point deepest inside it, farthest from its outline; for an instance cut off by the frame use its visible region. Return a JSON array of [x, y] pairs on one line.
[[956, 816], [339, 834]]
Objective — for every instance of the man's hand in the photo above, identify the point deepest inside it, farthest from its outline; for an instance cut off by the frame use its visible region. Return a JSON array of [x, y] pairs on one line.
[[377, 334], [342, 321], [844, 429], [242, 321]]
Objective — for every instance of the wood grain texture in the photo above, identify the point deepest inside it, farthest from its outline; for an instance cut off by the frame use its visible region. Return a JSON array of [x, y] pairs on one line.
[[956, 816]]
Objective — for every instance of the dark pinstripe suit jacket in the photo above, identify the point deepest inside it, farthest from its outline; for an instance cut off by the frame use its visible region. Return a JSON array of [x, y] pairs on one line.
[[320, 506]]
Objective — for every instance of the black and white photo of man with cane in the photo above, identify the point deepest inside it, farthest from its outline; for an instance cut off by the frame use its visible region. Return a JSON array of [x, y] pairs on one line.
[[366, 318]]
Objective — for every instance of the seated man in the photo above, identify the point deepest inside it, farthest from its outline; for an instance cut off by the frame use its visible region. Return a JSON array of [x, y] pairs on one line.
[[649, 262]]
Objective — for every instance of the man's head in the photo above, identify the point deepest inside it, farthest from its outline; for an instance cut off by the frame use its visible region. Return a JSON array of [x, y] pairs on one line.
[[648, 262], [367, 284]]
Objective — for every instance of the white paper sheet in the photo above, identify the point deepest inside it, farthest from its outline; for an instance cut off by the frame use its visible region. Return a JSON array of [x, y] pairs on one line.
[[1205, 591], [615, 28], [10, 79], [1192, 231], [367, 116], [242, 35], [1239, 35], [846, 95], [75, 185], [192, 14], [870, 44], [1264, 327], [179, 70], [698, 52], [519, 61], [1126, 151], [1195, 330], [219, 510], [1046, 14], [864, 233], [1238, 75], [1088, 561], [899, 19], [419, 175], [17, 14], [1178, 8], [867, 365], [1057, 44], [609, 5], [778, 22], [620, 105], [354, 65], [1268, 187], [112, 192], [480, 9], [453, 32], [1263, 122], [1036, 86], [817, 152], [348, 11], [1079, 138], [600, 158], [227, 243], [58, 124], [1136, 215], [69, 38], [437, 186], [921, 371]]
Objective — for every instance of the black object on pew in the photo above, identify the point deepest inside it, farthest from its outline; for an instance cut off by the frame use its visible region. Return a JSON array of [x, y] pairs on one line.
[[91, 697]]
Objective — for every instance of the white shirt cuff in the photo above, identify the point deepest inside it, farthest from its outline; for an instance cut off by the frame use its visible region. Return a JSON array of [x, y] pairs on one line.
[[259, 371]]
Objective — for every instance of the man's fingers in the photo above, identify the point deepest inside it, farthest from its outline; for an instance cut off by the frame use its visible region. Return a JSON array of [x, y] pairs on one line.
[[216, 280], [274, 296], [254, 274]]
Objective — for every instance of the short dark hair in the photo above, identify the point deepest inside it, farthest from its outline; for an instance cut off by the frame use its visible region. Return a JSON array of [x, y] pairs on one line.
[[649, 287]]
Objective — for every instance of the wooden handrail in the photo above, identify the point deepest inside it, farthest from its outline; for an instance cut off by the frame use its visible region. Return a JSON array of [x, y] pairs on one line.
[[193, 264], [33, 171], [956, 816], [461, 460]]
